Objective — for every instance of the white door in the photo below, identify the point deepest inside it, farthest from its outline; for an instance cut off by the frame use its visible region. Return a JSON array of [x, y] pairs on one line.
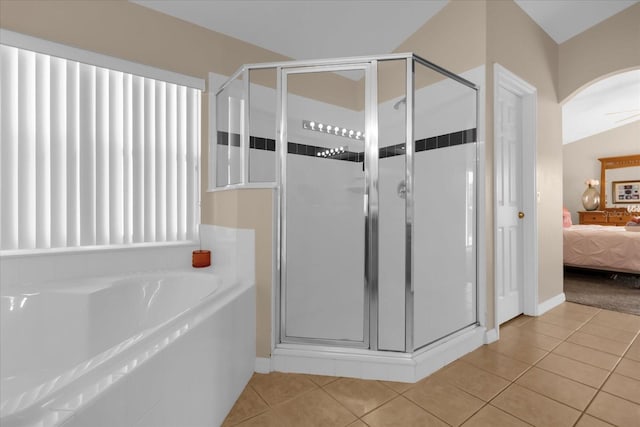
[[509, 215]]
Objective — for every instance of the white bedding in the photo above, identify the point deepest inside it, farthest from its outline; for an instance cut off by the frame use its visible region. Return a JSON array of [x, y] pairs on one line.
[[603, 247]]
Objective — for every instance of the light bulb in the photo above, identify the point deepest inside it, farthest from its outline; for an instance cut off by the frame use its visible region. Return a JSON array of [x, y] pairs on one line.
[[313, 125]]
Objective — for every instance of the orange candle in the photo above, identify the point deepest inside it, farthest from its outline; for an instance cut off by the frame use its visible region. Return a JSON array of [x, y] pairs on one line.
[[201, 258]]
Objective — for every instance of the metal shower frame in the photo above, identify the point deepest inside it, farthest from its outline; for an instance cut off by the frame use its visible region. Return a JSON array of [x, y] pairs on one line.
[[369, 65]]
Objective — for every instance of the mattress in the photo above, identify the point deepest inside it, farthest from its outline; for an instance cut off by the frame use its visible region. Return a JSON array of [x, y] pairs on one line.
[[602, 247]]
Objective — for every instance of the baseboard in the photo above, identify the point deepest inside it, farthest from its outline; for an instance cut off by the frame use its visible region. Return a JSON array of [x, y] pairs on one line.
[[376, 365], [263, 365], [550, 303], [491, 336]]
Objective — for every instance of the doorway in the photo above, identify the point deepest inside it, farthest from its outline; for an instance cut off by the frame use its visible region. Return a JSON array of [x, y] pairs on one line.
[[515, 203], [327, 210]]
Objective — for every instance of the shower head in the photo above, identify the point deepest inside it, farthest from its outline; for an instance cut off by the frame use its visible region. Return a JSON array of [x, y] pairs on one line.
[[397, 105]]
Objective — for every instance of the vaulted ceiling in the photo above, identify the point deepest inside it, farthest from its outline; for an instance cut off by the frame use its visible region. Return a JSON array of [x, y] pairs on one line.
[[304, 29]]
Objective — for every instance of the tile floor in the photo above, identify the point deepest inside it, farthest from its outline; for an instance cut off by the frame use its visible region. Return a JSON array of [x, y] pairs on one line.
[[575, 365]]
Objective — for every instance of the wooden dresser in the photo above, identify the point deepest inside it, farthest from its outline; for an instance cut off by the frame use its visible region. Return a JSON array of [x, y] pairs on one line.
[[607, 217]]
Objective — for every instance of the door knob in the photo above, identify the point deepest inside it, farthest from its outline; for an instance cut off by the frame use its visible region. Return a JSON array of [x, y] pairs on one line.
[[520, 214]]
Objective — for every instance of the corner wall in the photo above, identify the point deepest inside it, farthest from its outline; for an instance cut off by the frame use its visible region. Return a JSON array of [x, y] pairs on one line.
[[251, 209]]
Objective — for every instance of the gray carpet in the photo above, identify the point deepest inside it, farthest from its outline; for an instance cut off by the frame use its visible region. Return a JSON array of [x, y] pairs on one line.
[[618, 292]]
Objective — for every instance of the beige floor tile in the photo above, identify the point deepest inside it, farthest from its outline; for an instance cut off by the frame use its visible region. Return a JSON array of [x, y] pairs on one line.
[[535, 408], [579, 308], [589, 421], [313, 409], [579, 312], [490, 416], [322, 380], [503, 366], [517, 321], [359, 396], [550, 393], [599, 343], [398, 387], [517, 350], [587, 355], [599, 330], [267, 419], [629, 368], [572, 369], [475, 381], [248, 405], [523, 336], [634, 350], [614, 410], [401, 412], [623, 321], [277, 387], [444, 400], [564, 320], [545, 328], [624, 387], [558, 388]]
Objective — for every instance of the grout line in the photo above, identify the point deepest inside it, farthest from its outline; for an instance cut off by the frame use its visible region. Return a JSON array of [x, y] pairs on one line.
[[368, 412], [340, 403], [426, 410], [259, 395]]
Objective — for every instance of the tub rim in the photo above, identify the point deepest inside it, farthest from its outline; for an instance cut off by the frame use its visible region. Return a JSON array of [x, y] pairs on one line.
[[62, 398]]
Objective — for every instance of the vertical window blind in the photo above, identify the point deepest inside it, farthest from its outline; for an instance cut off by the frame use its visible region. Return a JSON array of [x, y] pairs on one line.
[[92, 156]]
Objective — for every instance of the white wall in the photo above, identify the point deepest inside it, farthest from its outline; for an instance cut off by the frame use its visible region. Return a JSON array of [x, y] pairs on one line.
[[325, 248], [444, 242]]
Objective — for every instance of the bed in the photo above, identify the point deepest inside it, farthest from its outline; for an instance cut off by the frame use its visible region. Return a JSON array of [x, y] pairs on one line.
[[602, 247]]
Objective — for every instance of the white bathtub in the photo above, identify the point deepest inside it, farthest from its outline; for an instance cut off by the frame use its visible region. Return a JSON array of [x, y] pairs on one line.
[[167, 348]]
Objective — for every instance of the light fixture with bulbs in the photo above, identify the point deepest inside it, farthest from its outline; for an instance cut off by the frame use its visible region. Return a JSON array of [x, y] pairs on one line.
[[332, 130], [330, 152]]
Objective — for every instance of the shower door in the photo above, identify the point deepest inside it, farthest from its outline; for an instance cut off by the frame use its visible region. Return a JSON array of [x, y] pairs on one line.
[[328, 165]]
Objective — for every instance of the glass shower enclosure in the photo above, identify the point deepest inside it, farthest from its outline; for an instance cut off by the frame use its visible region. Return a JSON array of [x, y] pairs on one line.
[[375, 163]]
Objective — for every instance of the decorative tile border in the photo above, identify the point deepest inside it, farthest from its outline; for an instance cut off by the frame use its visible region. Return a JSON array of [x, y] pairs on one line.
[[432, 143]]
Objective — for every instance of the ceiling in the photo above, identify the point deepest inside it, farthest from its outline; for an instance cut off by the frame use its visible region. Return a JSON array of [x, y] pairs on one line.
[[304, 29], [563, 19], [606, 104]]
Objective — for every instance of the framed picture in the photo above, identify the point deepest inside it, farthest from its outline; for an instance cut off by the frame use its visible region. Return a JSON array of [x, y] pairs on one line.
[[625, 192]]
